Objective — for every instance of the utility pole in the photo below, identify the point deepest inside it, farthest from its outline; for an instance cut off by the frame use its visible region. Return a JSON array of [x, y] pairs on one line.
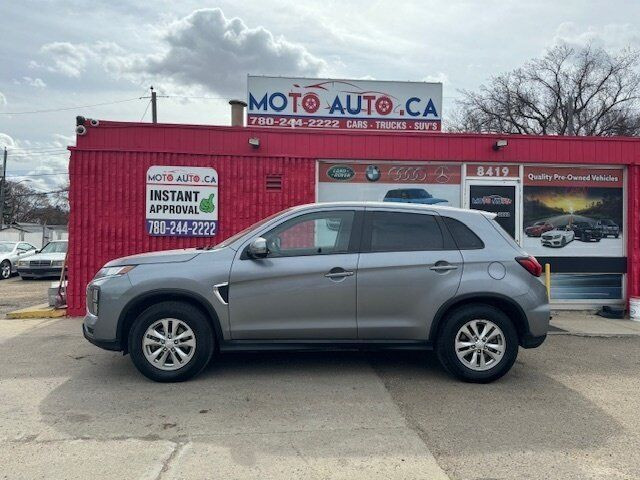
[[570, 129], [154, 107], [2, 187]]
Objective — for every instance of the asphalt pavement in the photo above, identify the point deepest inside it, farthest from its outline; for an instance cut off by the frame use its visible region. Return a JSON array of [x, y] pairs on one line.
[[69, 410]]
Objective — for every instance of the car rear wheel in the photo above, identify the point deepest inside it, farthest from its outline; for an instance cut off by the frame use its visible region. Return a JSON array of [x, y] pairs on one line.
[[477, 343], [171, 342], [5, 269]]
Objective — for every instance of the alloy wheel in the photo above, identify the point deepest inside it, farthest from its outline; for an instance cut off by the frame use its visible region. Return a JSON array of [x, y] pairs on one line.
[[5, 270], [480, 344], [169, 344]]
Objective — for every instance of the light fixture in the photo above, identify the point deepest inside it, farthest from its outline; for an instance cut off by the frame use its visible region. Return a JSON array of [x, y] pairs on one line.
[[500, 144], [254, 142]]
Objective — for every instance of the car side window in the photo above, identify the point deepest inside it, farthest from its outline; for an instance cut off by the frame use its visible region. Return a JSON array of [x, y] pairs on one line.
[[319, 233], [463, 236], [24, 247], [402, 232]]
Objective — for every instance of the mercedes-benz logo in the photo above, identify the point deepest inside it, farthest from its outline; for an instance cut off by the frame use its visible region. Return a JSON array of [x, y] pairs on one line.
[[442, 174]]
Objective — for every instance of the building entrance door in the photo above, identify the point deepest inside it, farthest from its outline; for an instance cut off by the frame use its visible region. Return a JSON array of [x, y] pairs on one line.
[[500, 197]]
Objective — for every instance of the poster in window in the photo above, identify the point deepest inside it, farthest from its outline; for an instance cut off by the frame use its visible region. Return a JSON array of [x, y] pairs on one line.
[[573, 211], [420, 183], [498, 199]]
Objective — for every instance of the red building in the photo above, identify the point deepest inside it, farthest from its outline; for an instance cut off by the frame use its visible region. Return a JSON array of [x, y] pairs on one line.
[[544, 189]]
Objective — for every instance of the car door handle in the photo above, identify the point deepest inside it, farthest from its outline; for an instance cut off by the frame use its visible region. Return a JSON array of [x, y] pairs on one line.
[[443, 267], [340, 274]]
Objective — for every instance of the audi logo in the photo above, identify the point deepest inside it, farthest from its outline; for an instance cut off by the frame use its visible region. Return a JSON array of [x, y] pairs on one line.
[[407, 174]]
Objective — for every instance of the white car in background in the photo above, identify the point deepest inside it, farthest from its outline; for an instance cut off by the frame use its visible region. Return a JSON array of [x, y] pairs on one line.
[[558, 237], [10, 253], [47, 262]]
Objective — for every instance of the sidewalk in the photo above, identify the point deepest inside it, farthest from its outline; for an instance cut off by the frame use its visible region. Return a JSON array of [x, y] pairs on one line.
[[588, 323]]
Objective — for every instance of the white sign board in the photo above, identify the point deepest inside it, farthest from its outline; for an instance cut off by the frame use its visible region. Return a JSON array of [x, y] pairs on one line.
[[344, 104], [182, 201]]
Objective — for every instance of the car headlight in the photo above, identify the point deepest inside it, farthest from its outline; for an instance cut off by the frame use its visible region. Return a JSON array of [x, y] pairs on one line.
[[22, 263], [57, 263], [114, 271]]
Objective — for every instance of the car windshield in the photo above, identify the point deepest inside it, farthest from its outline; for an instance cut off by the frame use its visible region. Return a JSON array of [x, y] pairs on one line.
[[55, 247], [6, 247], [419, 194], [607, 222], [241, 233], [539, 223], [582, 224]]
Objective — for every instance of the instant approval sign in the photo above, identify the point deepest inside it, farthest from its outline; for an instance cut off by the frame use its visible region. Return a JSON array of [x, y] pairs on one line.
[[181, 201]]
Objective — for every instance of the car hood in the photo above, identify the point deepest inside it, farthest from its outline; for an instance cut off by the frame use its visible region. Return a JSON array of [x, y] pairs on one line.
[[163, 256], [45, 256]]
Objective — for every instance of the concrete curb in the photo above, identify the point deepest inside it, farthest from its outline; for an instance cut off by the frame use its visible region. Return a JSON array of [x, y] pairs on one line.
[[38, 311]]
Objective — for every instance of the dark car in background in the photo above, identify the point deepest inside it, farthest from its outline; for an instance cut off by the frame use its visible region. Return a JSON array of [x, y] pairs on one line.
[[587, 231], [538, 228], [412, 195], [608, 227]]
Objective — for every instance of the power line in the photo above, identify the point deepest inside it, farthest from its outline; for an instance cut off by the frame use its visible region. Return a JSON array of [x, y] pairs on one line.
[[36, 154], [38, 175], [70, 108], [145, 111]]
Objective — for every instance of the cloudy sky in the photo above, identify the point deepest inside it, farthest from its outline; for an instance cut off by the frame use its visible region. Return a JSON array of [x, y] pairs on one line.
[[65, 53]]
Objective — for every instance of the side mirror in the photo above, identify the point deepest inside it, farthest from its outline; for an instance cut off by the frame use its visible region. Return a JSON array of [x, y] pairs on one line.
[[37, 251], [258, 248]]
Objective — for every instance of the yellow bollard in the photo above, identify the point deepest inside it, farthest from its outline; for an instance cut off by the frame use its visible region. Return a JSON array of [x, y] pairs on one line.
[[547, 279]]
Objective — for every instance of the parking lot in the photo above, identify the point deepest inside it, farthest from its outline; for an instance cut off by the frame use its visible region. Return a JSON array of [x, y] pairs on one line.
[[69, 410], [16, 293]]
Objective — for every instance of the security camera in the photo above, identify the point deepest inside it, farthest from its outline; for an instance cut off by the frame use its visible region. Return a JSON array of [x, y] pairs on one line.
[[81, 129], [80, 120], [94, 122], [254, 142]]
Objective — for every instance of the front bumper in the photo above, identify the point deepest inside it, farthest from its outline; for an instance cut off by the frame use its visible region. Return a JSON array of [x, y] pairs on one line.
[[112, 345], [555, 242], [40, 272]]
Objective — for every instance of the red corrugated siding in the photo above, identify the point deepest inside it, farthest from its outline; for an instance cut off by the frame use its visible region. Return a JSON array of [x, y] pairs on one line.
[[107, 200], [108, 166]]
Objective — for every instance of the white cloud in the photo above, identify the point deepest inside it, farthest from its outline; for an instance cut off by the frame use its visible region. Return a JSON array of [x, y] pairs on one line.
[[67, 58], [32, 82], [612, 36], [439, 77], [207, 49], [3, 100]]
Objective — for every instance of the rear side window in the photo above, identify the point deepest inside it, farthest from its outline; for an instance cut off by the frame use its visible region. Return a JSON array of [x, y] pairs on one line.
[[463, 236], [401, 232]]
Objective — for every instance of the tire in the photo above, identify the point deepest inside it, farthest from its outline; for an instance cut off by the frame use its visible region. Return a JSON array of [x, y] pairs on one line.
[[446, 343], [5, 270], [175, 312], [563, 242], [583, 238]]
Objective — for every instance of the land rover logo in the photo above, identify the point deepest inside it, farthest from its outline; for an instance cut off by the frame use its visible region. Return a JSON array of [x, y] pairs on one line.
[[341, 172]]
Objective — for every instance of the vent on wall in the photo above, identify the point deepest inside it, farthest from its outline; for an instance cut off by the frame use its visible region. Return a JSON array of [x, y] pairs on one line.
[[274, 182]]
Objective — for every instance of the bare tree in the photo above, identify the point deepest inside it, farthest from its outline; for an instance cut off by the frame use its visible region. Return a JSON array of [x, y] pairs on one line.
[[25, 204], [601, 89]]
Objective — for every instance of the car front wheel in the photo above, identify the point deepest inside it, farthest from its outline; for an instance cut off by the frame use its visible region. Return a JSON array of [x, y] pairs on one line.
[[5, 269], [477, 343], [171, 342]]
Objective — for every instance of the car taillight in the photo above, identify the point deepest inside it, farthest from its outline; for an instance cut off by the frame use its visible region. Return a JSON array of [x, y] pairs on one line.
[[531, 265]]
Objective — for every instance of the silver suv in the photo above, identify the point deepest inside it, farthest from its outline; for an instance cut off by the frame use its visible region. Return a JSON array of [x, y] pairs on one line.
[[347, 275]]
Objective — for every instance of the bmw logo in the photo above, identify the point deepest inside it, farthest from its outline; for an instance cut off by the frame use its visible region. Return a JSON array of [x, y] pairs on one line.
[[373, 173]]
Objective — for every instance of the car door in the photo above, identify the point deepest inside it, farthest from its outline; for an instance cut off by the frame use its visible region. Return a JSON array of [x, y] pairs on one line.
[[408, 267], [305, 288]]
